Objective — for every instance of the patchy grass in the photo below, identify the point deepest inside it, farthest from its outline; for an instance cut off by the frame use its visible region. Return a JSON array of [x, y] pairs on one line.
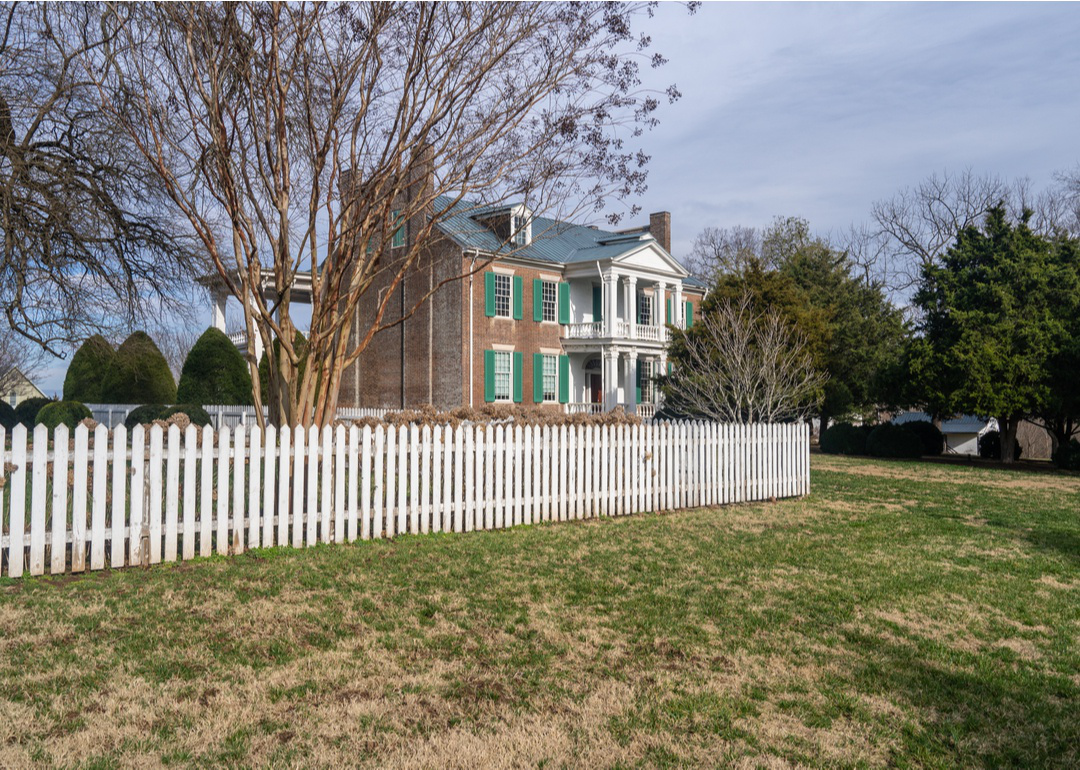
[[900, 615]]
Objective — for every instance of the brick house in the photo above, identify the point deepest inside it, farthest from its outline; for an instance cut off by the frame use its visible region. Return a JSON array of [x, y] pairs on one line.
[[564, 315]]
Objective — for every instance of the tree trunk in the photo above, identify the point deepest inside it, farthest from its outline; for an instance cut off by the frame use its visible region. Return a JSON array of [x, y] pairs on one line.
[[1007, 431]]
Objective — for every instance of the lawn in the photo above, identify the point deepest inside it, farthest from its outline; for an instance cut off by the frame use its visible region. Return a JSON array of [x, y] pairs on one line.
[[904, 614]]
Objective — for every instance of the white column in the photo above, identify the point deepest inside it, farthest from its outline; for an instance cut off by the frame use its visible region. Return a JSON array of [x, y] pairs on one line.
[[677, 308], [659, 310], [631, 381], [611, 304], [631, 306], [218, 297], [611, 380]]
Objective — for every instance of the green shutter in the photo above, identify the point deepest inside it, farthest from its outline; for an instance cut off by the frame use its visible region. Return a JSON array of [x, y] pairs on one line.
[[689, 314], [564, 303], [538, 378], [489, 294], [598, 303], [398, 238], [518, 366], [538, 300], [669, 368], [518, 291], [667, 310], [637, 390], [489, 375], [564, 379]]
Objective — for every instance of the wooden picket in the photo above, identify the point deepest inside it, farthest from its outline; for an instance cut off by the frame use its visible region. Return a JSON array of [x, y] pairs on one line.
[[80, 500]]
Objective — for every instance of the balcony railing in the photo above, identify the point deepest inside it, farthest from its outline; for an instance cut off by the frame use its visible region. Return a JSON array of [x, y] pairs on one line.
[[644, 411], [596, 330]]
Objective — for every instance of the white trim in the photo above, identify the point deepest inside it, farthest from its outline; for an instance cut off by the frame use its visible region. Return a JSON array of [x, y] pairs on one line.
[[502, 270], [549, 277], [551, 351], [502, 348]]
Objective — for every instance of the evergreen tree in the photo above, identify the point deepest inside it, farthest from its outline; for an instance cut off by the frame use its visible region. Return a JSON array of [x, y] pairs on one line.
[[214, 373], [140, 374], [996, 312], [86, 373]]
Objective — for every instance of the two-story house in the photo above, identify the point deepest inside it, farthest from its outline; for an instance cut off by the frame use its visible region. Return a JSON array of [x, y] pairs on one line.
[[548, 313]]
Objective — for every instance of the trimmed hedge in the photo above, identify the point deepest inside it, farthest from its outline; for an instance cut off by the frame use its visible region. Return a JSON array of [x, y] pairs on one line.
[[932, 439], [892, 440], [194, 412], [990, 446], [8, 418], [26, 412], [140, 374], [86, 373], [214, 373], [145, 414], [1067, 456], [69, 413], [843, 438]]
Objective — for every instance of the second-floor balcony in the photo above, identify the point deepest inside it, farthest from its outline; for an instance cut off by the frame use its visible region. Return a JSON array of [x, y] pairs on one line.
[[622, 330]]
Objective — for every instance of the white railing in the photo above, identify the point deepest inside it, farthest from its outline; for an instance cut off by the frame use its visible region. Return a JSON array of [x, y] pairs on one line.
[[588, 331], [111, 415], [645, 411], [110, 499], [596, 330], [581, 407]]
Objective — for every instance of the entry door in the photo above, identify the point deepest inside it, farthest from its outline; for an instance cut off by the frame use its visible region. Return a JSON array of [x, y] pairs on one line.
[[596, 389]]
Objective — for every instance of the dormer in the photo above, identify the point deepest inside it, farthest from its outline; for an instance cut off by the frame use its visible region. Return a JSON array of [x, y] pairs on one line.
[[511, 224]]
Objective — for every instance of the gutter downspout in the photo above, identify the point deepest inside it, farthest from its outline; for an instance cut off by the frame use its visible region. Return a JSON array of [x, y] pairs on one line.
[[472, 274]]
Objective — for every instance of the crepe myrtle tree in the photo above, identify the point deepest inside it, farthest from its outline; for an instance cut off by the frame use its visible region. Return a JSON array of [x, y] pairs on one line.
[[741, 364], [296, 139]]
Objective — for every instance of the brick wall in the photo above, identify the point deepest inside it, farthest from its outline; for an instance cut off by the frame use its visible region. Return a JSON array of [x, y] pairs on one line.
[[526, 335]]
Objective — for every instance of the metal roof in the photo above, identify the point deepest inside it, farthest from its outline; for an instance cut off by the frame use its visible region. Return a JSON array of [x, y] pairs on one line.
[[966, 423], [559, 243]]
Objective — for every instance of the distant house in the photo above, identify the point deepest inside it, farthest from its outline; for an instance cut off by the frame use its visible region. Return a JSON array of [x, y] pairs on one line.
[[16, 387], [961, 433]]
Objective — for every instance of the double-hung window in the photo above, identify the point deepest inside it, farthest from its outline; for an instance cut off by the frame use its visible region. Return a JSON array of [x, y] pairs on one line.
[[503, 295], [644, 310], [646, 372], [503, 376], [519, 228], [550, 301], [551, 378]]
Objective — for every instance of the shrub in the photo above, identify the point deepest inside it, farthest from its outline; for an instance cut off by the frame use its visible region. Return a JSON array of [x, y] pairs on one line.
[[140, 374], [1067, 456], [69, 413], [214, 372], [892, 440], [195, 413], [843, 438], [145, 414], [990, 446], [26, 411], [86, 373], [933, 442], [8, 418]]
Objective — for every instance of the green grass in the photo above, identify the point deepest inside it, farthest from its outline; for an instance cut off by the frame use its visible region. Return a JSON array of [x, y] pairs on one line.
[[902, 615]]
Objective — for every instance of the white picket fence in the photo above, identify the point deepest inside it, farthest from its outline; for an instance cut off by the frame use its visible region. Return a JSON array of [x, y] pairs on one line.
[[111, 415], [107, 499]]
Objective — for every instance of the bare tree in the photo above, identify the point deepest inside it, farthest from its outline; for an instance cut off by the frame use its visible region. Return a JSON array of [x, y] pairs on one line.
[[89, 238], [297, 138], [741, 365], [720, 250]]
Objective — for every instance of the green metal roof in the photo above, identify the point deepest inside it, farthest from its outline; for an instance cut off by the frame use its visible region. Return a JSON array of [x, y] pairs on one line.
[[559, 243]]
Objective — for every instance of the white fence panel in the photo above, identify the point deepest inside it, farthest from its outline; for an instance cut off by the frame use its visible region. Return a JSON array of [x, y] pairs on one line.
[[307, 486]]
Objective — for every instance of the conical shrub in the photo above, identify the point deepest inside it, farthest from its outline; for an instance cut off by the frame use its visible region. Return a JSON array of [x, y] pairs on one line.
[[140, 374], [214, 373], [86, 373]]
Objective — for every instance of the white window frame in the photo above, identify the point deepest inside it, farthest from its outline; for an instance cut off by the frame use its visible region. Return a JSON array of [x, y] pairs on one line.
[[648, 381], [520, 227], [500, 278], [552, 303], [552, 395], [504, 359], [644, 310]]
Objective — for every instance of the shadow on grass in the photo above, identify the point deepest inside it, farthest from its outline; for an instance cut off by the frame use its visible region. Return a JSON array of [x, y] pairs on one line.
[[969, 710]]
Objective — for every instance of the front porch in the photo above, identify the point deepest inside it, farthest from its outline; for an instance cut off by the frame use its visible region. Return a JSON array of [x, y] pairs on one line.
[[603, 380]]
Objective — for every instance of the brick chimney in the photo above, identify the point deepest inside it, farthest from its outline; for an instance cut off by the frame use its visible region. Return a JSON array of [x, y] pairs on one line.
[[660, 227]]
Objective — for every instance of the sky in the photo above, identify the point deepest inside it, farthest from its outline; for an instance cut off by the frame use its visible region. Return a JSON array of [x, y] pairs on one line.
[[818, 110]]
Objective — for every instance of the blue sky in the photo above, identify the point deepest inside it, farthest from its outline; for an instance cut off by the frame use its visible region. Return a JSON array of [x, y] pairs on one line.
[[819, 109]]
